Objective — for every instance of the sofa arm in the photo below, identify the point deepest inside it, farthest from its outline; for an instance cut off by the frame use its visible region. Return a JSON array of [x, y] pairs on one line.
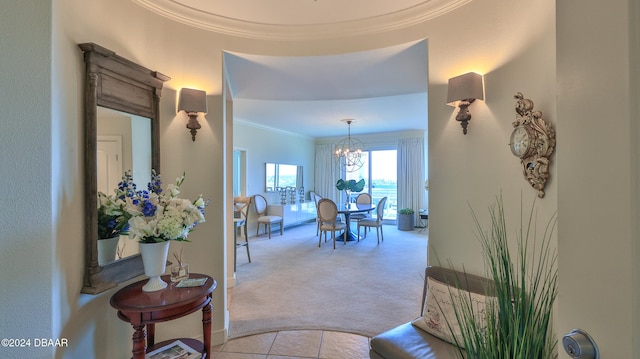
[[408, 342]]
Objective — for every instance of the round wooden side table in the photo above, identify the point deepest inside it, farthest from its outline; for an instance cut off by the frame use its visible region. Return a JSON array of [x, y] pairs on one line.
[[145, 309]]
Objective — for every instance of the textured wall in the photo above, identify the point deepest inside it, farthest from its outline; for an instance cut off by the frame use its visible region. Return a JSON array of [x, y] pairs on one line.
[[26, 236]]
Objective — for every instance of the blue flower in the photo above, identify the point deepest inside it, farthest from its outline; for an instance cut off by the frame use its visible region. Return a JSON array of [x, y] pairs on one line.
[[148, 209], [157, 217]]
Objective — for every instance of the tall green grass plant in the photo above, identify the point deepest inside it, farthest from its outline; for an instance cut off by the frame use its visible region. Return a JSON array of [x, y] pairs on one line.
[[517, 323]]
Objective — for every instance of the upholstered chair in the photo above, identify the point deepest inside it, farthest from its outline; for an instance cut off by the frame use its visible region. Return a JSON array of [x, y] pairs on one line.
[[264, 218], [374, 221], [328, 216]]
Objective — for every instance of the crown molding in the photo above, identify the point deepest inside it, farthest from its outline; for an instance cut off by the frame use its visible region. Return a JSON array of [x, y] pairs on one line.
[[241, 28], [270, 129]]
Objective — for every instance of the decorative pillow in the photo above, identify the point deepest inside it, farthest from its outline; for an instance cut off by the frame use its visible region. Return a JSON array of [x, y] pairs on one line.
[[439, 313]]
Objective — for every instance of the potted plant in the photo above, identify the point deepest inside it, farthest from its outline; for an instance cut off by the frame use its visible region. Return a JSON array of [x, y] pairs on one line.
[[516, 325], [349, 186], [406, 219], [113, 221]]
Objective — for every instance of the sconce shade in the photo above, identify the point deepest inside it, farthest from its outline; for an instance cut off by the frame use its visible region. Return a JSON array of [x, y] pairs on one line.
[[465, 87], [192, 102], [462, 91]]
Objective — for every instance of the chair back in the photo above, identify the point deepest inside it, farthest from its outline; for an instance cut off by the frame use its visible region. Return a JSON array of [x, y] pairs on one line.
[[316, 199], [261, 204], [363, 198], [241, 205], [380, 209], [327, 210]]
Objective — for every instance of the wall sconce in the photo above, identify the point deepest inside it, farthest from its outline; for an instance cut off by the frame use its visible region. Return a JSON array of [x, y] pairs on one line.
[[192, 101], [462, 91]]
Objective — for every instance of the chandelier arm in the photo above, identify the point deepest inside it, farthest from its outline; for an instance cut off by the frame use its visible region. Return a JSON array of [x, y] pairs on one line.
[[348, 152]]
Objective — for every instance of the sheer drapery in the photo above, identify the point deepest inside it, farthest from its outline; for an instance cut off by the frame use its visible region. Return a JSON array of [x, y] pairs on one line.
[[326, 174], [411, 172]]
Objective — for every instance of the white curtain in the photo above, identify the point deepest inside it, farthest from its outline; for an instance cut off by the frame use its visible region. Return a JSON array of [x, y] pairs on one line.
[[326, 173], [411, 172]]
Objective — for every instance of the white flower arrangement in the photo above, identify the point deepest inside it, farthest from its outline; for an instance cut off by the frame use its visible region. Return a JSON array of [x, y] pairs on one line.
[[113, 218], [158, 216]]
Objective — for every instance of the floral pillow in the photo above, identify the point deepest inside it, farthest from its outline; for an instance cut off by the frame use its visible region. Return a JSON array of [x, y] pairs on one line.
[[439, 318]]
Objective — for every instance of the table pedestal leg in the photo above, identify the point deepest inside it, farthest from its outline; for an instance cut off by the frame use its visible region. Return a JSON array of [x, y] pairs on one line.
[[206, 328], [139, 347], [151, 335], [351, 235]]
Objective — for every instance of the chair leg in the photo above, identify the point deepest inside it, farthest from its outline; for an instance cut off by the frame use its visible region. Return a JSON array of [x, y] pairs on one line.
[[281, 227], [333, 236], [269, 226], [319, 240], [246, 239], [345, 236], [235, 247]]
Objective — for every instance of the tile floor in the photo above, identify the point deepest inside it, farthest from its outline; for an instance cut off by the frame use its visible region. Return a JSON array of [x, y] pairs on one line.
[[295, 344]]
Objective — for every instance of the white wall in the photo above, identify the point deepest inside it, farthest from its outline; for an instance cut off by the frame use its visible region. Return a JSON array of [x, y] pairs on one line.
[[264, 145], [30, 186], [472, 170], [598, 197], [513, 43]]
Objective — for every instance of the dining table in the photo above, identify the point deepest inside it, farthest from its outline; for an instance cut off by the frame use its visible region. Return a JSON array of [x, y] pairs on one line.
[[346, 209]]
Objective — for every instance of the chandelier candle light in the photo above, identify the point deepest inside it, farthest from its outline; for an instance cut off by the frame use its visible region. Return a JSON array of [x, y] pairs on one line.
[[349, 151]]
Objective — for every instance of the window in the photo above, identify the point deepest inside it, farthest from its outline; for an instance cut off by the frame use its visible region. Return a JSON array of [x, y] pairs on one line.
[[380, 176]]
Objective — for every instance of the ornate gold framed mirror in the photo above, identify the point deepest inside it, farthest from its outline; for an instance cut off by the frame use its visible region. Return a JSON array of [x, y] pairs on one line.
[[117, 91]]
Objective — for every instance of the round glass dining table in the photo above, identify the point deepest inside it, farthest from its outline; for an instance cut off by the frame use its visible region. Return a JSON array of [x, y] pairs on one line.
[[347, 209]]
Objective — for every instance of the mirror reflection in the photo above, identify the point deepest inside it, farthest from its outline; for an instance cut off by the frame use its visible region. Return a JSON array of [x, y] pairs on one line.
[[129, 142], [123, 144], [282, 175]]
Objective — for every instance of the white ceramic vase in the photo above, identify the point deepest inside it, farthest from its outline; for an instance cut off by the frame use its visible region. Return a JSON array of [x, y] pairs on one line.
[[107, 249], [154, 259]]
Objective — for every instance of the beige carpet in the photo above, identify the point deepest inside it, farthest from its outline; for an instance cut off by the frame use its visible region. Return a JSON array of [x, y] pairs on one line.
[[360, 287]]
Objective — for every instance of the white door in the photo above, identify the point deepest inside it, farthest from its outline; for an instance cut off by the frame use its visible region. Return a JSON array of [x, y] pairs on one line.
[[109, 163]]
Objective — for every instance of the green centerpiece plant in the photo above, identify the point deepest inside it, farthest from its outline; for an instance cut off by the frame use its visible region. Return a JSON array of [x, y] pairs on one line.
[[349, 186], [516, 323]]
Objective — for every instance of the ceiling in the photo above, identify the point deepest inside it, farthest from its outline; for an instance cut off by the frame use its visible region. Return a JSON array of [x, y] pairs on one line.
[[383, 90]]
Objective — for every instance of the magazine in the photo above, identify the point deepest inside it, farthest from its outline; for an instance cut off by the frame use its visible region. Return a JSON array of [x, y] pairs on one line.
[[191, 282], [175, 350]]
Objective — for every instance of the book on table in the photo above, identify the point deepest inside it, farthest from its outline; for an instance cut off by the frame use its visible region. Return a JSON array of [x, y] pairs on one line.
[[174, 350]]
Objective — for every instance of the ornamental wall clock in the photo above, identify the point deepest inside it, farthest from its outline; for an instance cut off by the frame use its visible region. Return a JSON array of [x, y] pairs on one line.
[[533, 141]]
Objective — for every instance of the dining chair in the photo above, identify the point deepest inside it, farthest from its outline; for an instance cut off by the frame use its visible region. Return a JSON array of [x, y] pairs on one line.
[[363, 198], [374, 221], [263, 217], [241, 207], [316, 198], [328, 215]]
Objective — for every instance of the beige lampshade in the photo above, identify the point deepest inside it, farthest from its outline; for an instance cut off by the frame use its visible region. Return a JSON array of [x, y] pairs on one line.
[[191, 100], [465, 87]]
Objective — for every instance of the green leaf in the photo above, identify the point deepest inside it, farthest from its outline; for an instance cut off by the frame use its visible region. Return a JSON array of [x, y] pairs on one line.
[[350, 185], [357, 187]]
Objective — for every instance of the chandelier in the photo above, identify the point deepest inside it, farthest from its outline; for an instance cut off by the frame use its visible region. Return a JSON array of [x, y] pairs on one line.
[[348, 152]]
